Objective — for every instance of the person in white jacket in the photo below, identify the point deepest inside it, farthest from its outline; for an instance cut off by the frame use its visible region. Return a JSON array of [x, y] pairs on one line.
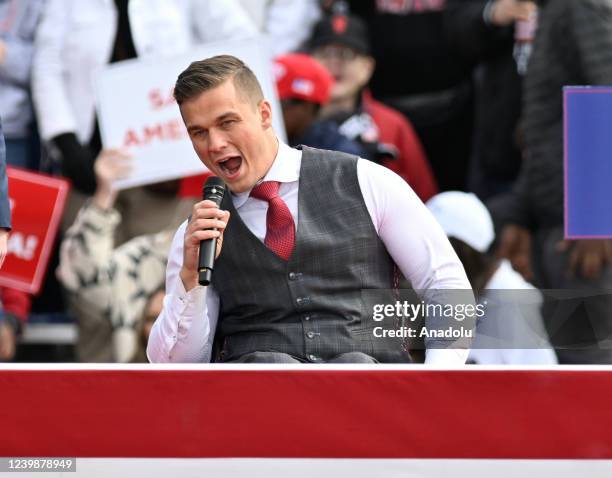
[[75, 38], [287, 23], [511, 330]]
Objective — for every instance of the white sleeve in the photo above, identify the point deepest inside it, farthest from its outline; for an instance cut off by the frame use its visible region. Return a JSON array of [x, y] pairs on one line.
[[446, 357], [185, 329], [49, 95], [414, 239], [218, 20]]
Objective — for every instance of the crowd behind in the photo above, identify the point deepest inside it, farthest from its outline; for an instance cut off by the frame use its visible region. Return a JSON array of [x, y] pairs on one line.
[[461, 98]]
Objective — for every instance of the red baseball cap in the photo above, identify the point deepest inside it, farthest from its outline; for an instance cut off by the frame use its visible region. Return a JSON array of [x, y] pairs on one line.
[[301, 77]]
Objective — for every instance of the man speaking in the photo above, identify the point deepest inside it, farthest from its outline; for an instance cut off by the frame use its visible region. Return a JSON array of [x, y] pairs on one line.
[[300, 235]]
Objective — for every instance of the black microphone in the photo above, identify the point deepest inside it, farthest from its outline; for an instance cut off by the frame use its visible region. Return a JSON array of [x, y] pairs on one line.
[[213, 190]]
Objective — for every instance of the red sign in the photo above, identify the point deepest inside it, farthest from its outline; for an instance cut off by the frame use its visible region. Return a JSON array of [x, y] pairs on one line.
[[37, 204]]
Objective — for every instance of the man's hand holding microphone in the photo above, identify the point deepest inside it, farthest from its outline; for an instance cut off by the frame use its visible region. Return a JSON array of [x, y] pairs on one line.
[[204, 235]]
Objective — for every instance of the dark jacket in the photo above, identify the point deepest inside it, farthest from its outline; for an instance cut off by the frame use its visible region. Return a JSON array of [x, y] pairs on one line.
[[497, 92], [324, 134], [413, 53], [573, 46]]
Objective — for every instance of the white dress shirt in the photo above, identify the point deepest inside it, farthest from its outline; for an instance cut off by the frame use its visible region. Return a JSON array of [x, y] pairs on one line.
[[185, 329]]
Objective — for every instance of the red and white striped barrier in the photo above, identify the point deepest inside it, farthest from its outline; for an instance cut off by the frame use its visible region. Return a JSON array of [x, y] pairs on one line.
[[292, 421]]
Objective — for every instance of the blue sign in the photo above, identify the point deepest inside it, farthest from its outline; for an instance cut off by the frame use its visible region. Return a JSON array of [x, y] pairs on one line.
[[588, 162]]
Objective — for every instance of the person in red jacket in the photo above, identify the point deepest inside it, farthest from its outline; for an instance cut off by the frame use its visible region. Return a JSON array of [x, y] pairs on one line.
[[341, 43]]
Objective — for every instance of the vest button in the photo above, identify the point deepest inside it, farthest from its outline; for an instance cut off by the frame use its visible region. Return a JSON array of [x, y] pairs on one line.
[[292, 276], [301, 301], [310, 335], [307, 317]]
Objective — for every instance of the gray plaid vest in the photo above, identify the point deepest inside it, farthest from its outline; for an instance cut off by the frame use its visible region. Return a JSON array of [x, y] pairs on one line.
[[311, 306]]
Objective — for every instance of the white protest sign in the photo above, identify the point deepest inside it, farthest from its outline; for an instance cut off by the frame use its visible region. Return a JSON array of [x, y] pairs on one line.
[[136, 109]]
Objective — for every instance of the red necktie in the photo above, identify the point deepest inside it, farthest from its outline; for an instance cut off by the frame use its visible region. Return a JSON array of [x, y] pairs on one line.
[[280, 229]]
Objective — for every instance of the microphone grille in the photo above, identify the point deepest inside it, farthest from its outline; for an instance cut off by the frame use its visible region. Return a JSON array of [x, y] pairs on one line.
[[213, 189]]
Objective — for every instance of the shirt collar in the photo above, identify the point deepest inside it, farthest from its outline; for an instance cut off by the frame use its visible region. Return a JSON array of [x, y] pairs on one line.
[[284, 169]]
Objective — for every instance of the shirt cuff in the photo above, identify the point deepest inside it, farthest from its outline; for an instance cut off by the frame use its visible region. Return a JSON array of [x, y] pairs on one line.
[[446, 357], [186, 306]]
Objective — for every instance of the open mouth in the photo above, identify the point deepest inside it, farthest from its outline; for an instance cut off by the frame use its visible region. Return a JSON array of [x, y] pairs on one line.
[[231, 165]]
